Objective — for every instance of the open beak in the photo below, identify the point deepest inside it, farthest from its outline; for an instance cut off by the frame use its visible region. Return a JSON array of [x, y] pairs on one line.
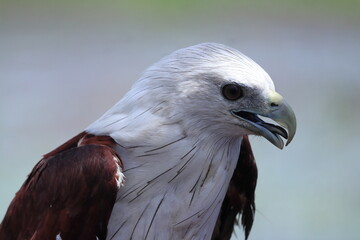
[[280, 112]]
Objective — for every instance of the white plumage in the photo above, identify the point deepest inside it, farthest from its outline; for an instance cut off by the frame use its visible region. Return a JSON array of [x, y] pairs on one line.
[[179, 141], [171, 160]]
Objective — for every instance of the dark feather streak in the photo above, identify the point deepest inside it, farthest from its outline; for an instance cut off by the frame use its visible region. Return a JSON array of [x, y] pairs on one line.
[[184, 165], [137, 222], [168, 144], [143, 189], [152, 219]]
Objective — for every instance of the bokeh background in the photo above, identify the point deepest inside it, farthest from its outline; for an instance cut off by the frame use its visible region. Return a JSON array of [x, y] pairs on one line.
[[64, 63]]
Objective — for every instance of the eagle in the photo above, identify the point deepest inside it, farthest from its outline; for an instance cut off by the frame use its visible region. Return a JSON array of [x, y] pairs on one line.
[[171, 160]]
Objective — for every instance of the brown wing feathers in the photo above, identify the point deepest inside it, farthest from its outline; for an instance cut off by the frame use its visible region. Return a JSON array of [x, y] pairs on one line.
[[240, 197], [72, 190], [69, 193]]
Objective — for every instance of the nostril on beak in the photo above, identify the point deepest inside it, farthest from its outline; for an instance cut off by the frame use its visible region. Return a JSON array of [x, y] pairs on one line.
[[274, 104], [275, 100]]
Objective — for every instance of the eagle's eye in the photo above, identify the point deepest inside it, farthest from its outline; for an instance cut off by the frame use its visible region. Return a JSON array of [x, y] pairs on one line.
[[232, 91]]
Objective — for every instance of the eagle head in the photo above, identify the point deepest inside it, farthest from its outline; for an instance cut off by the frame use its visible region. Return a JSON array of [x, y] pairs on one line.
[[215, 89]]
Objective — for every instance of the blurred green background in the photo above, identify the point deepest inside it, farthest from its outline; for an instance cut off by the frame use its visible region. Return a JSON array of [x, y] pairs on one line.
[[64, 63]]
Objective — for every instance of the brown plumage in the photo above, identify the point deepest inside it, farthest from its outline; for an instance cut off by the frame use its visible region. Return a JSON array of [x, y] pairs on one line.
[[240, 197], [70, 192], [194, 104]]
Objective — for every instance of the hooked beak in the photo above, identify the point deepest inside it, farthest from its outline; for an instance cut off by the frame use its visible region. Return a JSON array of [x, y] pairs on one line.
[[278, 111]]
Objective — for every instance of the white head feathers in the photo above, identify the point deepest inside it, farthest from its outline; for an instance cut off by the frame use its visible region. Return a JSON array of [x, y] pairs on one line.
[[185, 86], [179, 131]]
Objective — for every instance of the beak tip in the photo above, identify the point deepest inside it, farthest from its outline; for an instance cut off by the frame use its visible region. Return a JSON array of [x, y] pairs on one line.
[[292, 132], [286, 117]]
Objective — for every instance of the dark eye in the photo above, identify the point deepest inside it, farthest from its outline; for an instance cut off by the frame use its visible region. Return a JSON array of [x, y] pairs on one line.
[[232, 91]]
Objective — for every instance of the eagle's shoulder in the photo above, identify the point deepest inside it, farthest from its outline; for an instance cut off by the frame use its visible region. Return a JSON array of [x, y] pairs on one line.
[[70, 192]]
